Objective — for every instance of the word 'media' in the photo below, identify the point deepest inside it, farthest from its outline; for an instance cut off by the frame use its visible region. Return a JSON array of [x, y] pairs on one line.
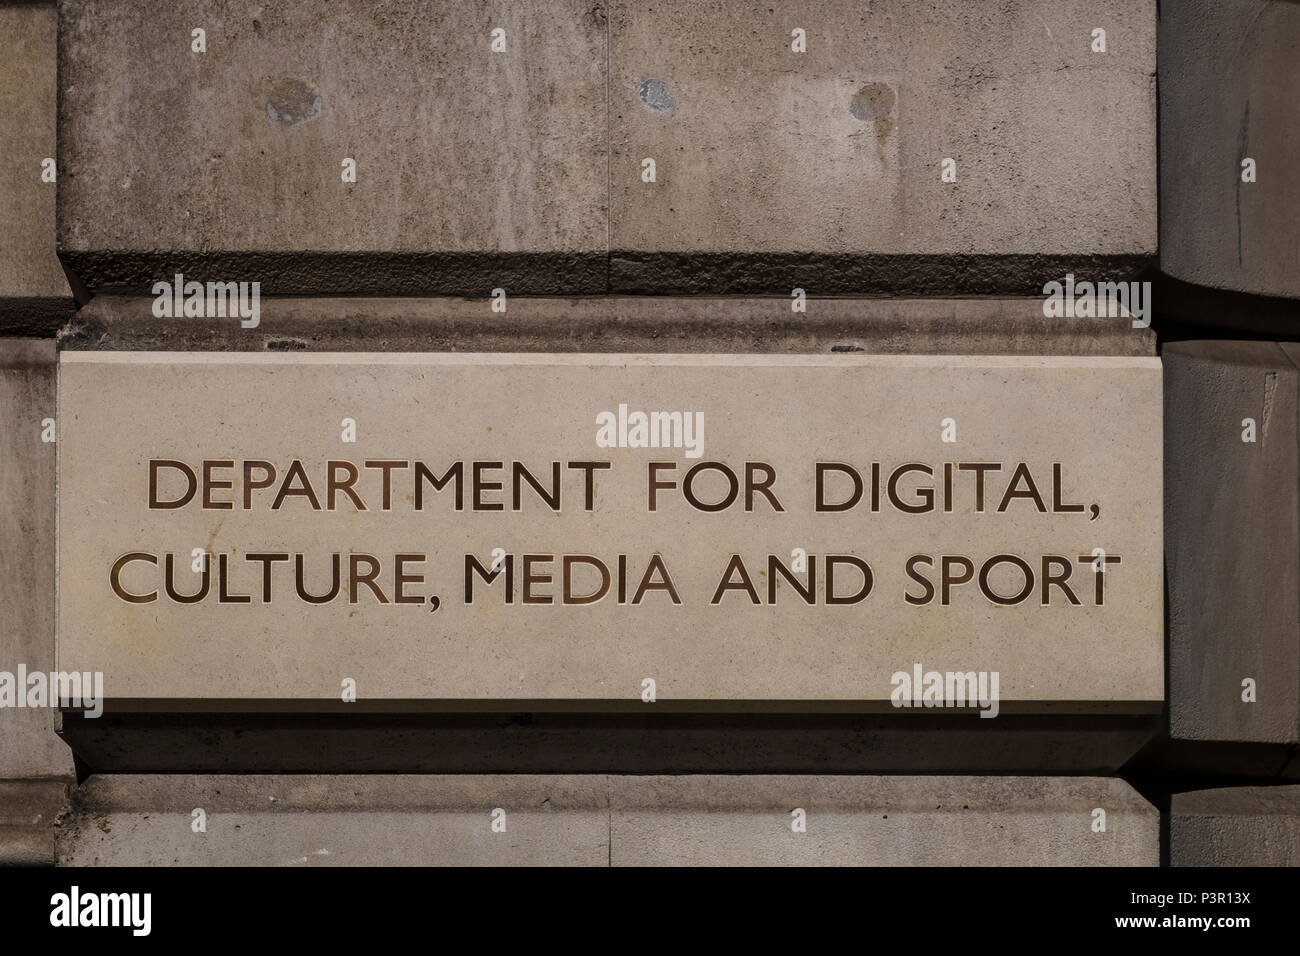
[[71, 690], [75, 908], [626, 429], [216, 300], [946, 689], [1086, 300]]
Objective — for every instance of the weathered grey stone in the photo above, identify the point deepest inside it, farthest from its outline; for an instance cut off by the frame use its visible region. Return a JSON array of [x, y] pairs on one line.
[[1228, 92], [1232, 533], [28, 745], [29, 811], [821, 169], [880, 821], [34, 296], [474, 169], [1060, 636], [1236, 826], [366, 820], [777, 169], [601, 820], [615, 324]]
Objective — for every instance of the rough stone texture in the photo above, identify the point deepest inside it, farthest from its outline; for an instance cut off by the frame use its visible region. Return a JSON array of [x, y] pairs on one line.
[[1228, 90], [34, 294], [474, 169], [879, 821], [481, 170], [336, 820], [1232, 535], [616, 324], [28, 745], [29, 810], [601, 820], [1237, 826], [1055, 652], [822, 169]]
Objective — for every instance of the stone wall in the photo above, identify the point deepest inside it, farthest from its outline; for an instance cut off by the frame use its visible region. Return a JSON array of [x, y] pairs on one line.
[[837, 186]]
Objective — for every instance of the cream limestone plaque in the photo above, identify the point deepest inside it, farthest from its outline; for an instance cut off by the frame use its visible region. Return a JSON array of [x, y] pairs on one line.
[[673, 531]]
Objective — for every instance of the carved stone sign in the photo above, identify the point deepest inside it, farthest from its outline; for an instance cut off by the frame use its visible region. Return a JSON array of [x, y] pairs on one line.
[[707, 530]]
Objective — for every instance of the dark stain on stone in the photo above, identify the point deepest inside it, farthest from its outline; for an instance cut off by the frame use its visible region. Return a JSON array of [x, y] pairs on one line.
[[874, 104], [292, 101], [654, 94], [285, 345]]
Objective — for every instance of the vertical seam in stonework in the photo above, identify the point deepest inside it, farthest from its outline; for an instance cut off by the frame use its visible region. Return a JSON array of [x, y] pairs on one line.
[[1287, 359], [1270, 389], [609, 151], [1241, 151]]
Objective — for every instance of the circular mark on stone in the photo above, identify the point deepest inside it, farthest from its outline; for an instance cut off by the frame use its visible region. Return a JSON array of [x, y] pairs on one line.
[[292, 101], [654, 94], [874, 102]]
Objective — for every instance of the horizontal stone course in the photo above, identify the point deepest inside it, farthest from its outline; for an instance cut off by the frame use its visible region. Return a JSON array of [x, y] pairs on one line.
[[615, 324], [602, 820], [352, 740], [522, 169]]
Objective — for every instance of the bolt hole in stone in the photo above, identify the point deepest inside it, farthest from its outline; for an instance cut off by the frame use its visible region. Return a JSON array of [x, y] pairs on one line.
[[654, 94], [292, 101]]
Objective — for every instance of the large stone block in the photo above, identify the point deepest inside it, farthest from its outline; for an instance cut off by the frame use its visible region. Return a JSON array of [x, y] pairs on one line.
[[370, 820], [28, 745], [1232, 534], [880, 821], [776, 169], [1228, 92], [822, 169], [475, 169], [1236, 826], [34, 296], [609, 580], [599, 820]]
